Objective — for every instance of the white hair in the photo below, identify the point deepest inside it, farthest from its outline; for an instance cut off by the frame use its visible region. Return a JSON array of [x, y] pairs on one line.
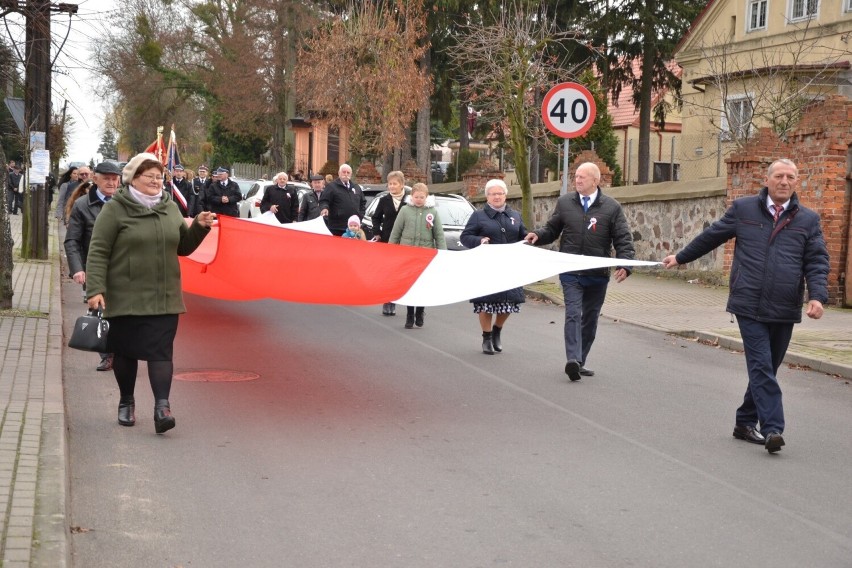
[[496, 183]]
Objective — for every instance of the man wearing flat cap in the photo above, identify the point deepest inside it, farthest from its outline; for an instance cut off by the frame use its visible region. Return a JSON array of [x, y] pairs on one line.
[[80, 225], [223, 195], [309, 209]]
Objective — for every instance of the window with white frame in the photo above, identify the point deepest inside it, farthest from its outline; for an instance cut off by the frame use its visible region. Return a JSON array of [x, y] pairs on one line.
[[756, 17], [847, 5], [736, 118], [803, 9]]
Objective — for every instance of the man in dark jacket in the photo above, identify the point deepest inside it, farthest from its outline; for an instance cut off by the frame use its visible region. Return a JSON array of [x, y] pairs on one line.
[[223, 195], [590, 223], [182, 185], [195, 200], [80, 224], [779, 248], [309, 209], [13, 189], [281, 199], [341, 199]]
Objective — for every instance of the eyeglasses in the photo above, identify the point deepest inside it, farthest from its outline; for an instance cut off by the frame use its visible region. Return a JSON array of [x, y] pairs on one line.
[[83, 175], [151, 177]]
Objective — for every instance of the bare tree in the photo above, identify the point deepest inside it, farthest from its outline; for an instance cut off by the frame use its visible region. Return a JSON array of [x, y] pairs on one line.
[[505, 63], [770, 86], [361, 71]]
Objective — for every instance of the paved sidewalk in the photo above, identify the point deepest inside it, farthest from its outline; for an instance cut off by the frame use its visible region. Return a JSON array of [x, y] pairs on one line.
[[698, 311], [33, 476]]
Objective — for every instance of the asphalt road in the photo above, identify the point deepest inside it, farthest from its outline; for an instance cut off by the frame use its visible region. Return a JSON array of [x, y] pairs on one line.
[[362, 444]]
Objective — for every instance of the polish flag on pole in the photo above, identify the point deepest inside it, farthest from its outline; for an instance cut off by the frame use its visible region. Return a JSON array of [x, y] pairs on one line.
[[157, 148], [172, 160]]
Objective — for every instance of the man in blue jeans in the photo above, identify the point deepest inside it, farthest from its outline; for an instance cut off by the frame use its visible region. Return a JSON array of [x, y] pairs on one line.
[[590, 223], [779, 248]]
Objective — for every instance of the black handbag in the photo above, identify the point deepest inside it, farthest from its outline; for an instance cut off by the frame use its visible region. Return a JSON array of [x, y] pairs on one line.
[[90, 332]]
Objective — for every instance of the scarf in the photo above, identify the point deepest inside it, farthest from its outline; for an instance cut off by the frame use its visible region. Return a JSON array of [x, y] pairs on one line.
[[148, 201], [499, 209], [397, 200]]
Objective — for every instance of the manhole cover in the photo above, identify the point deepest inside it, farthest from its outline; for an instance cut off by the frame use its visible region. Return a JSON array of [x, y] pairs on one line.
[[216, 376]]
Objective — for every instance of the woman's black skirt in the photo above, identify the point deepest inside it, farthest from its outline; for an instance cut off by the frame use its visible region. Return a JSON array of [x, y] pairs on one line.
[[145, 338]]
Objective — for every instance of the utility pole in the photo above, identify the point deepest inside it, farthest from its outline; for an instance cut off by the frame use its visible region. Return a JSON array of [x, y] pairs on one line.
[[37, 119], [37, 114]]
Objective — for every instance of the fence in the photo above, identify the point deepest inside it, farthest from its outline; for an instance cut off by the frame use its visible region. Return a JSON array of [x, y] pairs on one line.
[[250, 171], [675, 157]]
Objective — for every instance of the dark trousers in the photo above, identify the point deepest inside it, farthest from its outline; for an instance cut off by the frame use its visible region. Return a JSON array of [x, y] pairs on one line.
[[584, 296], [15, 200], [765, 345]]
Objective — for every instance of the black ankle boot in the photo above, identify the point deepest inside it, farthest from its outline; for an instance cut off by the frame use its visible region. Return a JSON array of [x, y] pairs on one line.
[[386, 311], [127, 411], [163, 419], [418, 317], [409, 320], [487, 346], [495, 338], [391, 309]]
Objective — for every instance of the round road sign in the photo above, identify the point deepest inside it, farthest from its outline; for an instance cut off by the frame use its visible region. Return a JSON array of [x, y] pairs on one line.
[[568, 110]]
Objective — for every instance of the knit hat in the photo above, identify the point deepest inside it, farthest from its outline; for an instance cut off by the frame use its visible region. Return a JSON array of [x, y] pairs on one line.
[[130, 169], [354, 219]]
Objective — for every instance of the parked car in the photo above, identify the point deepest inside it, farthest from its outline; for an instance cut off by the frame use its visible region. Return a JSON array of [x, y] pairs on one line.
[[245, 185], [453, 211], [250, 205], [372, 190]]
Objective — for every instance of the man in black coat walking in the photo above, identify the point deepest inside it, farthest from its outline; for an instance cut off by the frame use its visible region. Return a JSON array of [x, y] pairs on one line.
[[81, 222], [590, 223], [341, 199], [223, 195]]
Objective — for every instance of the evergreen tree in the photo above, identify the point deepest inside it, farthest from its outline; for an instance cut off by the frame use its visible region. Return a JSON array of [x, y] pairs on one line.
[[600, 134], [108, 148], [646, 31]]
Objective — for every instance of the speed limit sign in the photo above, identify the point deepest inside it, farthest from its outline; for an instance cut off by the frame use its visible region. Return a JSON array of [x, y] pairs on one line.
[[568, 110]]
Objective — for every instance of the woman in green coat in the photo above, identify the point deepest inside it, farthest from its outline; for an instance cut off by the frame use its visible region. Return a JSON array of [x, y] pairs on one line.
[[133, 273], [418, 226]]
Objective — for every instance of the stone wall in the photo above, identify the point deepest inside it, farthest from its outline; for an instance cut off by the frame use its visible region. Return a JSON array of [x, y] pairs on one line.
[[664, 217]]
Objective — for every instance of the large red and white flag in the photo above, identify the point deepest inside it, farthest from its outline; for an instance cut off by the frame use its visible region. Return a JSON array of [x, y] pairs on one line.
[[301, 262]]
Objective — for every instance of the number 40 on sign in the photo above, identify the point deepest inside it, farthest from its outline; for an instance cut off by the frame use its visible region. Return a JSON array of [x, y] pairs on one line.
[[568, 110]]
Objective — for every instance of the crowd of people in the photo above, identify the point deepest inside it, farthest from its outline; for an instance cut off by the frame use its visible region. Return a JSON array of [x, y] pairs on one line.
[[779, 249]]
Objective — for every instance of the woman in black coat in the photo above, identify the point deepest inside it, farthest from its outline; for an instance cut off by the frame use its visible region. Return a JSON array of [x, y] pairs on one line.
[[496, 223], [383, 219]]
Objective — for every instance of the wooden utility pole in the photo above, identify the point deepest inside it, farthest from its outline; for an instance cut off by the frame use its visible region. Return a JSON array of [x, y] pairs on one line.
[[37, 119]]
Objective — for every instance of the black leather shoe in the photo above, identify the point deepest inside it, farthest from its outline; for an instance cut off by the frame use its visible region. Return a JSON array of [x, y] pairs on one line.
[[749, 434], [163, 419], [774, 441], [418, 317], [385, 309], [586, 372], [127, 411], [488, 343], [409, 321], [572, 369], [495, 339], [391, 309]]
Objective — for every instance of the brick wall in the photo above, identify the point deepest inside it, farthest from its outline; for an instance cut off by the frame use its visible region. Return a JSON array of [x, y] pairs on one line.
[[820, 147]]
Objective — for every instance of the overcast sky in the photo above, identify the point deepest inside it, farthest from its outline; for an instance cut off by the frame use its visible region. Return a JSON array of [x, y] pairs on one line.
[[72, 80]]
